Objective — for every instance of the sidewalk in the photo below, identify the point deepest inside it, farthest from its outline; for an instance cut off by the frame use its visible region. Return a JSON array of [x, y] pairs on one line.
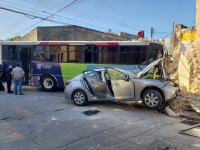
[[24, 87]]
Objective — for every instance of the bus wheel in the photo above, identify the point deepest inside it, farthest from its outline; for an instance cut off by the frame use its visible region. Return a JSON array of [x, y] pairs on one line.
[[48, 83]]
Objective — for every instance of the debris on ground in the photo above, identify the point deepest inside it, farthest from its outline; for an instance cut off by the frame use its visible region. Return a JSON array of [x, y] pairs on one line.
[[91, 112], [191, 117], [186, 101], [190, 122], [171, 113], [192, 131]]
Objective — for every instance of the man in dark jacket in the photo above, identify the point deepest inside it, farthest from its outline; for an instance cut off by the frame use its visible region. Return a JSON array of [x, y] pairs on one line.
[[1, 74], [9, 77]]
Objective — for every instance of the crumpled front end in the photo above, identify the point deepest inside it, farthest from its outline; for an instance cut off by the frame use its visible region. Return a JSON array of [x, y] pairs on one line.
[[172, 89]]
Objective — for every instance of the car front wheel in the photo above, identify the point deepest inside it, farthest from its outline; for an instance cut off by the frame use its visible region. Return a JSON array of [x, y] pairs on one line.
[[152, 99], [80, 98]]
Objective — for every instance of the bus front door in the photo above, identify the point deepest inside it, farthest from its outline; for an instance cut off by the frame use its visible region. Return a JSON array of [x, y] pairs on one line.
[[25, 59]]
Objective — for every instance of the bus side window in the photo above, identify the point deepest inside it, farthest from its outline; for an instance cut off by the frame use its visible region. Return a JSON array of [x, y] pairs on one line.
[[160, 54], [109, 54], [12, 53], [136, 55], [39, 53], [152, 57]]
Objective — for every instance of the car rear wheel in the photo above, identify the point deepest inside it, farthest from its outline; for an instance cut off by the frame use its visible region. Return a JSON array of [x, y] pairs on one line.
[[80, 98], [152, 99], [48, 83]]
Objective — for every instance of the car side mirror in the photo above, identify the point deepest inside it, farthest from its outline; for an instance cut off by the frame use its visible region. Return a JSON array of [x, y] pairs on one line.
[[127, 77]]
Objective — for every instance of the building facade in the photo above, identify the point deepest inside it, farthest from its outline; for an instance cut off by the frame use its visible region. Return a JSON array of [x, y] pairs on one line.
[[69, 33]]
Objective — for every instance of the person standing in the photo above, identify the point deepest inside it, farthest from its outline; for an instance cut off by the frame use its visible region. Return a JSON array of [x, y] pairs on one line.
[[9, 77], [1, 74], [18, 76]]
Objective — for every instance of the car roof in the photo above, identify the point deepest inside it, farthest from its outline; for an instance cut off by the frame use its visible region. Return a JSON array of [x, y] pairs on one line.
[[99, 69], [121, 70]]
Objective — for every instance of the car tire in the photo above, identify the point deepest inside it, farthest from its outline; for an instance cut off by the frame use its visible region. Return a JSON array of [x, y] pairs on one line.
[[48, 83], [79, 98], [152, 99]]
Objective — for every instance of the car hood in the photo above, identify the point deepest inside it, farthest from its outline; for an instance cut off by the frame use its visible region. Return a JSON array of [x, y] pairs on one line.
[[149, 67]]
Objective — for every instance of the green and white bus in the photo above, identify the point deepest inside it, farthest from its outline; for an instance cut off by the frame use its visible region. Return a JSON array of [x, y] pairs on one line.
[[51, 63]]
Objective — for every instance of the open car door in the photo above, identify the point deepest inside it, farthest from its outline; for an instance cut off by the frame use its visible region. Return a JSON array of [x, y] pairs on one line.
[[122, 86], [96, 86]]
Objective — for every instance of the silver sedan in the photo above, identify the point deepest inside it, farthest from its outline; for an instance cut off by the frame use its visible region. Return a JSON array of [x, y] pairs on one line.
[[111, 84]]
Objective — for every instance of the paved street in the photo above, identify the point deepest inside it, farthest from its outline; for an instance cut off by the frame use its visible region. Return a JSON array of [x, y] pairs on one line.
[[46, 121]]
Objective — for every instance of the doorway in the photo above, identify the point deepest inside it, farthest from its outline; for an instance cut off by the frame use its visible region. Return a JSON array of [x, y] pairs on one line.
[[25, 59], [88, 57]]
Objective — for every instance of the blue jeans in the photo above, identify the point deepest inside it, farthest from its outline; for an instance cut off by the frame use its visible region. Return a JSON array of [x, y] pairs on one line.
[[18, 81]]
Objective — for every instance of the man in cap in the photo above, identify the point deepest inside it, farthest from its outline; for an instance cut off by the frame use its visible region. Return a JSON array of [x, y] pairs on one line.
[[1, 74], [9, 77]]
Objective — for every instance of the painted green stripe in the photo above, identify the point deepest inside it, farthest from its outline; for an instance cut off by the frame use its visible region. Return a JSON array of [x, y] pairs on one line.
[[70, 70]]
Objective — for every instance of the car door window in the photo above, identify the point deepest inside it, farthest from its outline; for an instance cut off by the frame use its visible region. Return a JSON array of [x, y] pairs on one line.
[[106, 76], [92, 74], [115, 74]]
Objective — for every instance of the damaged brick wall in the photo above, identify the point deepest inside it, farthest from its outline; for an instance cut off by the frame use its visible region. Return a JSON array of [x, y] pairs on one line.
[[193, 58], [192, 55], [198, 18], [183, 45], [184, 64]]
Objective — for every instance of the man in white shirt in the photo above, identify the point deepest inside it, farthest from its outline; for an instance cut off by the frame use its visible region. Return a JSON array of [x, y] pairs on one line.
[[18, 76]]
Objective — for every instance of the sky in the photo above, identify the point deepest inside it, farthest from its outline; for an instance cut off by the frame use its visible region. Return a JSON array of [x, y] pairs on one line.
[[129, 16]]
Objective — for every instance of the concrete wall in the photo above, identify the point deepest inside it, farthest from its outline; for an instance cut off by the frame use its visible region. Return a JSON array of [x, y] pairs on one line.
[[31, 36], [184, 71], [70, 33], [187, 37]]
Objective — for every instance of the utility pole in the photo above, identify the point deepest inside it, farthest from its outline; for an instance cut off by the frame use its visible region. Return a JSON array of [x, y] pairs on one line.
[[151, 32], [173, 24]]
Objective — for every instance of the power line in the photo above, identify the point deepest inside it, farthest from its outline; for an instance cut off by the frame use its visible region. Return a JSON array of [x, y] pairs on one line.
[[99, 18], [86, 14], [83, 13], [92, 16], [73, 20], [23, 19], [56, 5], [72, 3], [121, 13], [42, 18], [176, 11], [29, 15]]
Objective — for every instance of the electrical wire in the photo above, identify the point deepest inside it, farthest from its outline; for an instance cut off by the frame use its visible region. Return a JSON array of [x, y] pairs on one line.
[[122, 13], [174, 14], [118, 23], [23, 19], [103, 3], [74, 12], [50, 16], [86, 15], [35, 24], [26, 14]]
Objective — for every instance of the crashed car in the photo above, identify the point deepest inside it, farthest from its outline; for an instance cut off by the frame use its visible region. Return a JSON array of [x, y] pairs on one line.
[[111, 84]]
